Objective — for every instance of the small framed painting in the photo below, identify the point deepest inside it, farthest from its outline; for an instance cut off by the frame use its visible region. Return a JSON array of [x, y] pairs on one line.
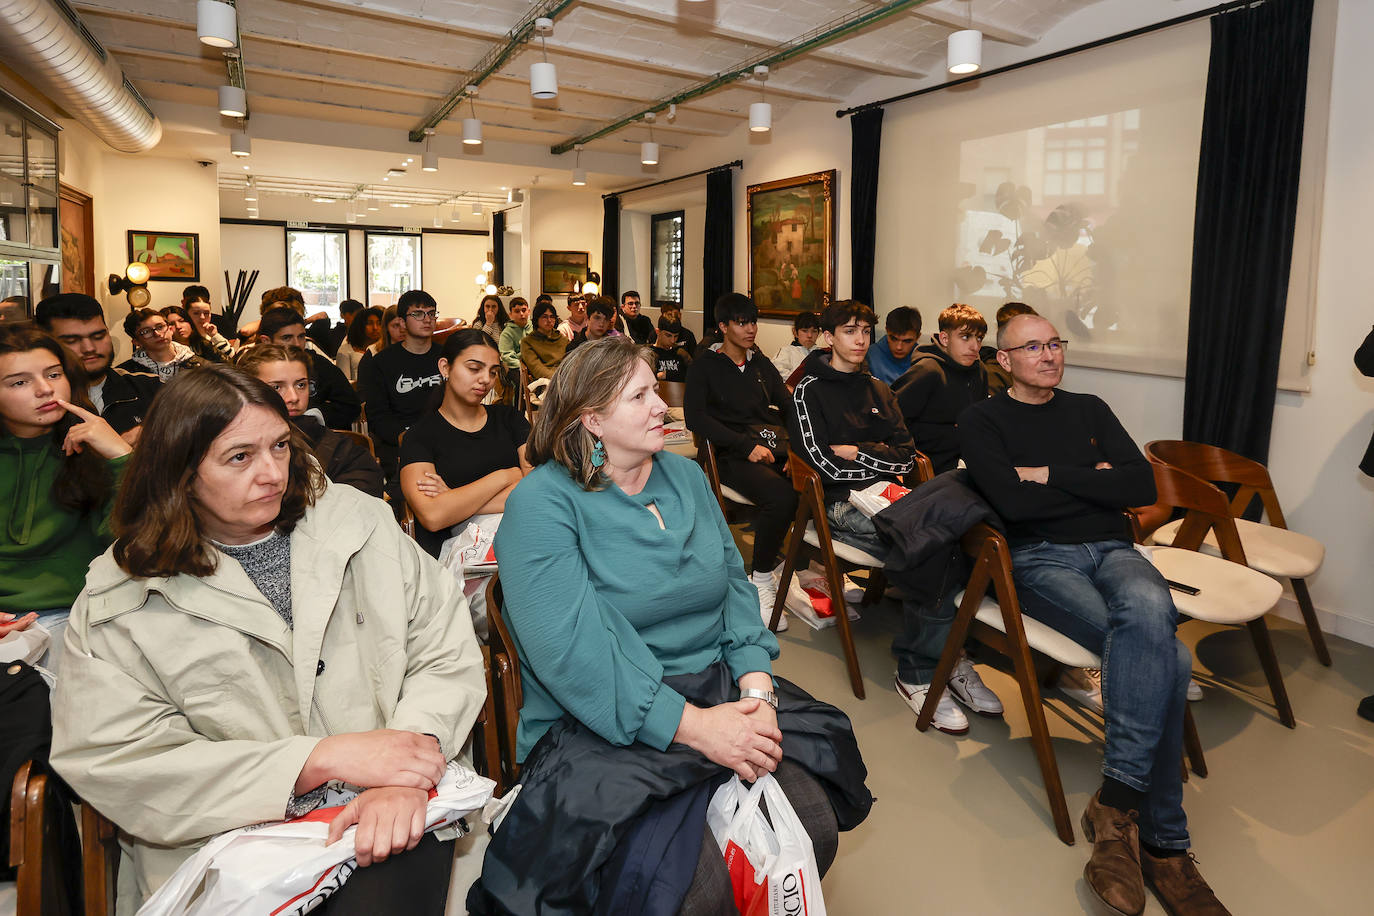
[[561, 270], [169, 255], [792, 243]]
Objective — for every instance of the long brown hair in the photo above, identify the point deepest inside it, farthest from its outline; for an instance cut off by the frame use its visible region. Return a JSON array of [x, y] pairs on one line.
[[84, 483], [590, 378], [155, 520]]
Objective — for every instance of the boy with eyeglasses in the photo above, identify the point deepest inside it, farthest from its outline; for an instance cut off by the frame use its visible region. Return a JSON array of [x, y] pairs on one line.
[[154, 349], [397, 383], [945, 378], [1059, 468]]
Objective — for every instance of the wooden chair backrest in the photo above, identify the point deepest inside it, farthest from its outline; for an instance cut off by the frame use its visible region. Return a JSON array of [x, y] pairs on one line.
[[1207, 510], [359, 438], [506, 661], [809, 489], [924, 469], [672, 393], [1218, 465], [707, 452]]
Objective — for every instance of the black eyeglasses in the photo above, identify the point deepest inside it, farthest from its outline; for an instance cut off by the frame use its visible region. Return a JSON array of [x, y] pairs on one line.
[[1034, 347], [422, 314], [151, 332]]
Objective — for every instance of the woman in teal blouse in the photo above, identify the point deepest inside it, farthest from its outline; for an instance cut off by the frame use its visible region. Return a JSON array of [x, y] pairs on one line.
[[645, 664]]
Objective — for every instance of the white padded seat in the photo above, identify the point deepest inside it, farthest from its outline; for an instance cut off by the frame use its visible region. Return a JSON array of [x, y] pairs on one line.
[[1276, 551], [735, 496], [1229, 593], [1041, 638], [842, 550]]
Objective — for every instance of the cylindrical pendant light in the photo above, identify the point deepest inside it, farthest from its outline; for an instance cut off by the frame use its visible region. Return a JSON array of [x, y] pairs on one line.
[[472, 131], [543, 80], [233, 102], [239, 144], [216, 24], [760, 117], [429, 161], [372, 204], [476, 209], [579, 178], [648, 153], [965, 51]]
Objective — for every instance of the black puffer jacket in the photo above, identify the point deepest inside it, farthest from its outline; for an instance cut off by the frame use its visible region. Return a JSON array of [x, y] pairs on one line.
[[932, 394]]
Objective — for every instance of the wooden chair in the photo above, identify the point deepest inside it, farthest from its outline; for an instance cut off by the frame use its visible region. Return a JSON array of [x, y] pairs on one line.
[[360, 439], [672, 393], [1272, 549], [1230, 592], [486, 744], [812, 526], [28, 851], [99, 861], [997, 622], [506, 665], [727, 496]]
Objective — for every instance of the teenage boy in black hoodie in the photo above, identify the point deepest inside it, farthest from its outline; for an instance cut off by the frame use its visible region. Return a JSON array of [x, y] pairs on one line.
[[945, 378], [737, 401], [397, 384], [849, 428]]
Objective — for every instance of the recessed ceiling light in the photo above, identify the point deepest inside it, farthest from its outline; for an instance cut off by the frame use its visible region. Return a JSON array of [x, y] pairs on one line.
[[400, 205], [409, 160], [323, 200]]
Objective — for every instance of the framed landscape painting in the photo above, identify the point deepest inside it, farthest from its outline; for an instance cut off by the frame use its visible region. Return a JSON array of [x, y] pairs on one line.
[[792, 243], [169, 255], [561, 269]]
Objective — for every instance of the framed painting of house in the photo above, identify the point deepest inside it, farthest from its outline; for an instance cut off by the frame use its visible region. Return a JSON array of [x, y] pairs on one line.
[[169, 255], [792, 243]]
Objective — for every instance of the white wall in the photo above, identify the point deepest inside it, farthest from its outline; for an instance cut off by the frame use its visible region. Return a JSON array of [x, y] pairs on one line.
[[449, 263], [559, 221], [249, 248]]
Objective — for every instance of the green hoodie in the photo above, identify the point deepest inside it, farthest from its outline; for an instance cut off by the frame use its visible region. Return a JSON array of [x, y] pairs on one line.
[[44, 548]]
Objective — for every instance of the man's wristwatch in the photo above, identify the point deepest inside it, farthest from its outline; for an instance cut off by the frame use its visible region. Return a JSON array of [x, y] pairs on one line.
[[753, 693]]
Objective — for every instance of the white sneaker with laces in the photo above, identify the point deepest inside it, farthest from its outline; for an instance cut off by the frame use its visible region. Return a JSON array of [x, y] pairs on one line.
[[1083, 685], [768, 593], [1194, 691], [968, 688], [948, 718]]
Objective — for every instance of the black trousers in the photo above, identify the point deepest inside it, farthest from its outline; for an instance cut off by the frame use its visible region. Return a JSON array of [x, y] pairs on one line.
[[414, 882], [770, 488]]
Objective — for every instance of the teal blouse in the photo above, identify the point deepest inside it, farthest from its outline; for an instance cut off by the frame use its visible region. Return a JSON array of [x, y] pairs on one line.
[[603, 604]]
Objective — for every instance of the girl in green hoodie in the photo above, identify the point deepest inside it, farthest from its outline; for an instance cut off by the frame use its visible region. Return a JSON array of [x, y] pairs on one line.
[[59, 468]]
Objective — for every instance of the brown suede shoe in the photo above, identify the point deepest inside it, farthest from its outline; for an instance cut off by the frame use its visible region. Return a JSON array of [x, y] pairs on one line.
[[1179, 886], [1113, 871]]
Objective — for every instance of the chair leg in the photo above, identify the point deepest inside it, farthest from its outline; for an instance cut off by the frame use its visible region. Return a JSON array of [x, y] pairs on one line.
[[1264, 646], [789, 563], [1192, 744], [1309, 616], [836, 580]]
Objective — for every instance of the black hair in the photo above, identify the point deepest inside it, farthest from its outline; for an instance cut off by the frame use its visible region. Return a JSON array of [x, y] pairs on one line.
[[736, 307], [282, 316], [460, 340], [357, 327], [349, 307], [414, 297], [602, 306], [194, 294], [903, 320], [544, 308], [135, 318], [71, 306], [806, 320], [628, 293], [842, 311], [543, 297]]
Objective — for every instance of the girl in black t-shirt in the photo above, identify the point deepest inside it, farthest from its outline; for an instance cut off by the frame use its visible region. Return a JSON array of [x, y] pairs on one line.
[[464, 458]]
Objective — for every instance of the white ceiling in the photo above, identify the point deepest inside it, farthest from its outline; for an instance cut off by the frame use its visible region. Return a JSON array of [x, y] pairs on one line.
[[322, 74]]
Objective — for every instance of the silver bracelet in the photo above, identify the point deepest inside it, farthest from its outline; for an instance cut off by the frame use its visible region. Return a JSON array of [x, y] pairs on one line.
[[753, 693]]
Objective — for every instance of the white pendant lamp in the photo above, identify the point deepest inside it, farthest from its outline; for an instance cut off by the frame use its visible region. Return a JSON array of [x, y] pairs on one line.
[[965, 52], [216, 24], [648, 153], [579, 178], [760, 117], [454, 217], [543, 80], [233, 102], [239, 144], [372, 204], [472, 127], [429, 162], [477, 210]]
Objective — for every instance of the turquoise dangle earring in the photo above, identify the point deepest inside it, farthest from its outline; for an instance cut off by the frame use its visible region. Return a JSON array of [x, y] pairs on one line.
[[598, 455]]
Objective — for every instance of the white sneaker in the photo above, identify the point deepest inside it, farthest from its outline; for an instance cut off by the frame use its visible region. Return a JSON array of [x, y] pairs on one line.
[[768, 594], [968, 688], [1083, 685], [1194, 691], [948, 718]]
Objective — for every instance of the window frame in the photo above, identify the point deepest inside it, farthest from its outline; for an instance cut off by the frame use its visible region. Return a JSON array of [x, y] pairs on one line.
[[368, 234], [38, 259], [681, 237], [344, 271]]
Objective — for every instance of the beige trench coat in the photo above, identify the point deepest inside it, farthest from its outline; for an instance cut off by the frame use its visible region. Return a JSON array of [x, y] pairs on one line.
[[187, 707]]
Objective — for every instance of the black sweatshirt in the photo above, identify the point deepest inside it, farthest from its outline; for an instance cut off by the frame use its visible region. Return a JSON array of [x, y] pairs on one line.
[[397, 387], [1070, 434], [732, 406], [932, 395], [849, 408], [332, 393]]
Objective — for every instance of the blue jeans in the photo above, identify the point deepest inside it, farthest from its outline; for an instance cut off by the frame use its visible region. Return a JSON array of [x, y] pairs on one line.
[[928, 607], [1110, 599]]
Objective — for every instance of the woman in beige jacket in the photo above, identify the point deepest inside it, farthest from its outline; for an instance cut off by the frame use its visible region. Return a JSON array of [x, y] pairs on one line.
[[254, 634]]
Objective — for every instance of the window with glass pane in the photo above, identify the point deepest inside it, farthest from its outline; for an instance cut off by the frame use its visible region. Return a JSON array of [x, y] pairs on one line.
[[28, 209], [393, 266], [317, 265], [666, 272]]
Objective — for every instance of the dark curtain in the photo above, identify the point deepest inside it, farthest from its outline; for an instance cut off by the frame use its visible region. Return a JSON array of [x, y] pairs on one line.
[[498, 247], [718, 247], [1247, 192], [610, 248], [867, 135]]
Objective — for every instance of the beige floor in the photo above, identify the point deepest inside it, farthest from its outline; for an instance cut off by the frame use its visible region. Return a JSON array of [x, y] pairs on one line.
[[1283, 825]]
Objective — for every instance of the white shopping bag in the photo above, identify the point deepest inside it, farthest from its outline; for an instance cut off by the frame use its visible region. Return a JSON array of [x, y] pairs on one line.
[[284, 868], [875, 498], [772, 865], [471, 551], [808, 598]]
